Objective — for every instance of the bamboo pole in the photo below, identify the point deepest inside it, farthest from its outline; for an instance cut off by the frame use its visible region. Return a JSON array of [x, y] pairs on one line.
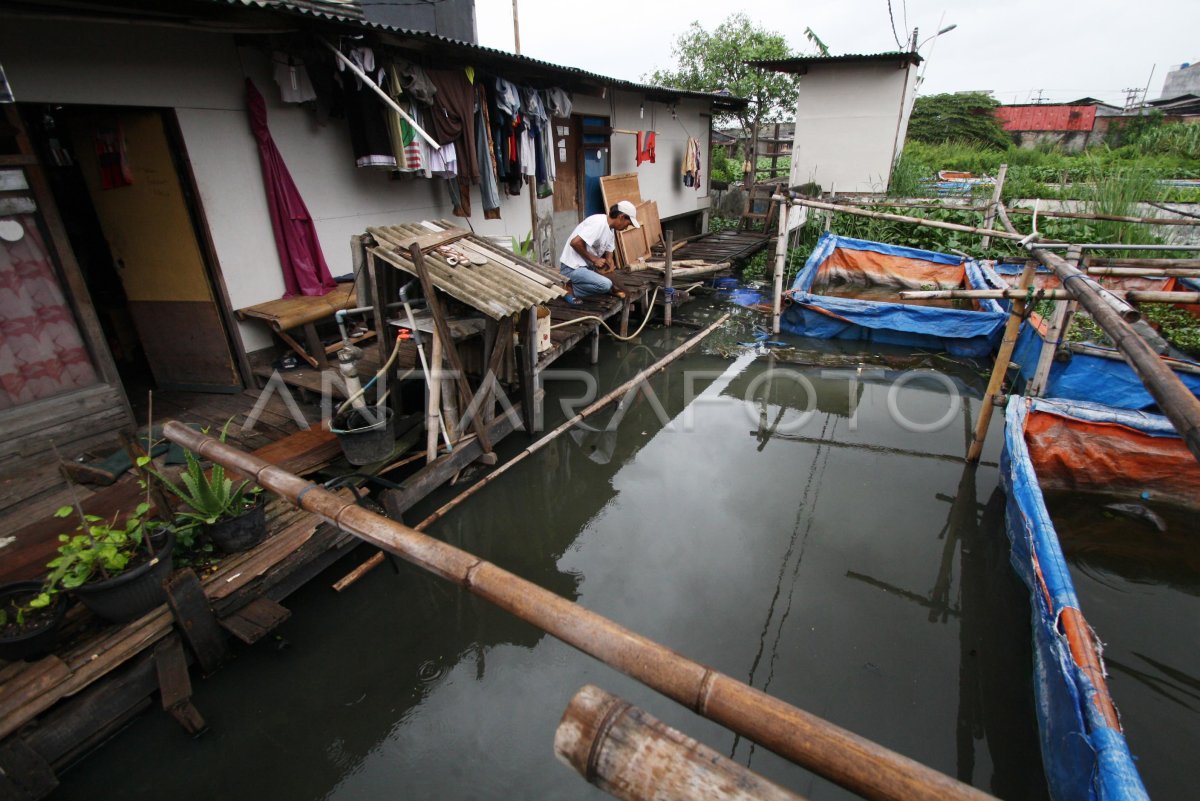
[[1168, 264], [631, 755], [1088, 349], [1146, 272], [377, 559], [669, 295], [392, 104], [433, 395], [989, 219], [780, 262], [1060, 323], [1080, 215], [880, 215], [1131, 295], [845, 758], [1000, 368], [1173, 398]]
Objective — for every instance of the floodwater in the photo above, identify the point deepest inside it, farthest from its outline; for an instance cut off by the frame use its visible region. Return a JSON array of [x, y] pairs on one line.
[[800, 521]]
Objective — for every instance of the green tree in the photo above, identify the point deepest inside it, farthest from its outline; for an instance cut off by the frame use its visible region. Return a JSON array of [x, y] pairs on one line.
[[967, 117], [715, 61]]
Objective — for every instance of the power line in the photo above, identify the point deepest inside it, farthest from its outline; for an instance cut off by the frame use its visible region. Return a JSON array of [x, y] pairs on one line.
[[892, 19]]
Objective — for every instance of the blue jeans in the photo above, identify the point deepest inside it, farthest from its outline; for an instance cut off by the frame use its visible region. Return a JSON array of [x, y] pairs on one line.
[[585, 282]]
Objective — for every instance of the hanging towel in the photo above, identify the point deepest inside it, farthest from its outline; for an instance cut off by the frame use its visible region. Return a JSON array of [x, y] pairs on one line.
[[292, 77], [645, 147]]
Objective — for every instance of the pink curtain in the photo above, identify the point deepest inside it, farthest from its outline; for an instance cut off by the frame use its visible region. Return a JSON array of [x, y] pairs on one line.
[[304, 268], [41, 351]]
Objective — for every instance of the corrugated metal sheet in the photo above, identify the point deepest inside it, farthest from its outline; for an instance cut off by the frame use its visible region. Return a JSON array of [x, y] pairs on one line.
[[505, 285], [336, 11], [801, 64], [1047, 118]]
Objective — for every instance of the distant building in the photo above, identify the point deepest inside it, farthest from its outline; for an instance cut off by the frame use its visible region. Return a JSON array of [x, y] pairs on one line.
[[1183, 80], [1073, 126], [851, 117]]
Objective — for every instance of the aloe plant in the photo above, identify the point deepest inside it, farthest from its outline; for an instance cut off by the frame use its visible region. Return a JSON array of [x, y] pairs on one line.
[[210, 497]]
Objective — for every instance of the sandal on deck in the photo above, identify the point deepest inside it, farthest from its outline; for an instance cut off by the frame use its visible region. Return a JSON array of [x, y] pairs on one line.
[[571, 300]]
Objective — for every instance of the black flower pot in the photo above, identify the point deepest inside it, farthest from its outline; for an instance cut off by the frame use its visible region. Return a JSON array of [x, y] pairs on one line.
[[133, 593], [35, 642], [243, 532]]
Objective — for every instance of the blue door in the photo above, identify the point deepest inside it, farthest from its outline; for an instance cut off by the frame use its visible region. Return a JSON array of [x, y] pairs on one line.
[[595, 164]]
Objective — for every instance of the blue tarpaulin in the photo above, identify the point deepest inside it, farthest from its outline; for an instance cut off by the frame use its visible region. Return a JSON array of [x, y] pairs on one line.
[[1084, 759], [961, 332], [1091, 378]]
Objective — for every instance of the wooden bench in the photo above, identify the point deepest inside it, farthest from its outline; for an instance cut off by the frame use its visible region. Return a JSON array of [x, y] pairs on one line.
[[305, 312]]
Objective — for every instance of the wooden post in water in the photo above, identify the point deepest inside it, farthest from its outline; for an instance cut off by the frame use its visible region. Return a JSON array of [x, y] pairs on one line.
[[669, 295], [633, 756], [1000, 368], [989, 219], [433, 396], [780, 261], [841, 756]]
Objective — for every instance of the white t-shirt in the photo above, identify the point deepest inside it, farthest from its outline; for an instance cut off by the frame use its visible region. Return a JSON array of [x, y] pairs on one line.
[[598, 237]]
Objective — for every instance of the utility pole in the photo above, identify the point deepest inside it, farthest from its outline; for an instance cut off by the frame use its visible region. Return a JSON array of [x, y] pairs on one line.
[[516, 31], [1041, 97], [1133, 97]]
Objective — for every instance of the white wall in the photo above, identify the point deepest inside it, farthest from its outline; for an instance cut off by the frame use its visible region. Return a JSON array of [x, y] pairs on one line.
[[201, 76], [851, 119], [661, 181]]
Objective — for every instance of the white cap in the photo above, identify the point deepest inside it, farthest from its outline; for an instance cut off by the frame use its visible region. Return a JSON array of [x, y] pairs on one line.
[[630, 211]]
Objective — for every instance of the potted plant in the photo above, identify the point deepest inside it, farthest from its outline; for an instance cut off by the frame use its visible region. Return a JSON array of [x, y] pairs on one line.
[[30, 616], [233, 515], [115, 567]]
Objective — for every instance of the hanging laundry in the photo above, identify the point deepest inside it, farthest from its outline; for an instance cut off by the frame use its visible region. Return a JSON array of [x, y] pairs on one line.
[[292, 77], [645, 147], [558, 102], [410, 150], [489, 190], [691, 163], [364, 111], [443, 162], [453, 117], [413, 80], [504, 113], [538, 122], [111, 155]]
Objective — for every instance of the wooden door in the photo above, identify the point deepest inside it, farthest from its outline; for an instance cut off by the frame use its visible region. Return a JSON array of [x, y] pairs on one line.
[[146, 220]]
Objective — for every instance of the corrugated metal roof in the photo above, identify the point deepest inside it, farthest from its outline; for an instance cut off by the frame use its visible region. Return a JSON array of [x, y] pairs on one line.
[[800, 64], [504, 285], [349, 13], [1046, 117]]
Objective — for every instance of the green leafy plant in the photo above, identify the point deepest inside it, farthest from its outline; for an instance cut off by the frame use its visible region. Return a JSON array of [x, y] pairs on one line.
[[101, 547], [522, 247]]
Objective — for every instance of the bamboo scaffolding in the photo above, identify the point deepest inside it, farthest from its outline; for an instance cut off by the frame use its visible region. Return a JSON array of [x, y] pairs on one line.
[[1081, 215], [880, 215], [377, 559], [1060, 323], [1173, 398], [845, 758], [633, 756], [1000, 367], [1131, 295]]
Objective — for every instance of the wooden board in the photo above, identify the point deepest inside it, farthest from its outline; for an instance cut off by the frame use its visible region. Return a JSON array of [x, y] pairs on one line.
[[620, 187], [632, 245], [648, 217]]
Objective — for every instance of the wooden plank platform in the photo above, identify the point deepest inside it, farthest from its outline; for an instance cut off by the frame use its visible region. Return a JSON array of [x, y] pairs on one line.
[[722, 246]]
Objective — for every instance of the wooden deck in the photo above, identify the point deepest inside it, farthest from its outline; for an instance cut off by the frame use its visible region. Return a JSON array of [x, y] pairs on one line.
[[722, 246]]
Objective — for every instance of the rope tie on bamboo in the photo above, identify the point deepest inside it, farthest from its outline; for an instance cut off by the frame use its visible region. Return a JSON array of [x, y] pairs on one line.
[[668, 295], [300, 495]]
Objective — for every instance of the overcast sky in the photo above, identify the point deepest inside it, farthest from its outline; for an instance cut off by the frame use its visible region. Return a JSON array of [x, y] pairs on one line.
[[1066, 49]]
